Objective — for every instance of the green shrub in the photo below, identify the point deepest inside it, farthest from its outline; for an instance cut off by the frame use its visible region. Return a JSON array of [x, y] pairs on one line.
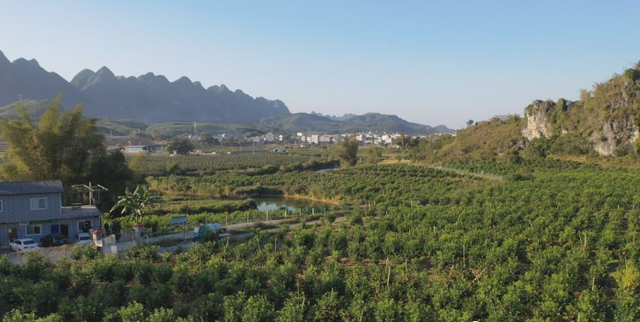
[[103, 269], [162, 273], [144, 272], [84, 252], [632, 74], [142, 252], [134, 312], [125, 271]]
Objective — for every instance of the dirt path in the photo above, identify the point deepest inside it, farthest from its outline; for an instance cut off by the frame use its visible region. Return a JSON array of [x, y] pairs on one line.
[[243, 235]]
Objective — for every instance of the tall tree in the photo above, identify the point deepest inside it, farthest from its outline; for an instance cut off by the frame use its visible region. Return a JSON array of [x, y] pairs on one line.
[[208, 139], [62, 145], [347, 152], [112, 172], [373, 155], [180, 146]]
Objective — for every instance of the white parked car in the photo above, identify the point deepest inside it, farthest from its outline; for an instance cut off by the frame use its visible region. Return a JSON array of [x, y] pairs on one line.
[[83, 239], [23, 245]]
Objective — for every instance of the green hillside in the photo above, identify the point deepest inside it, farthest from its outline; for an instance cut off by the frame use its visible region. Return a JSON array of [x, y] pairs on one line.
[[604, 122], [302, 122], [386, 123], [35, 108], [121, 127], [359, 123]]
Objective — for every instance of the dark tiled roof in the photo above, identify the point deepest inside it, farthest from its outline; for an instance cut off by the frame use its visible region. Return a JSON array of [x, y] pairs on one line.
[[30, 187]]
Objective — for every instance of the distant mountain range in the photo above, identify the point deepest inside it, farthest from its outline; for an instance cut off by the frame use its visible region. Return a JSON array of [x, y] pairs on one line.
[[336, 118], [149, 98], [298, 122], [154, 99]]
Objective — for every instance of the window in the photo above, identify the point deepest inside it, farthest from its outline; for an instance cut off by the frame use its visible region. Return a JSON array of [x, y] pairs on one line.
[[84, 225], [34, 230], [38, 203]]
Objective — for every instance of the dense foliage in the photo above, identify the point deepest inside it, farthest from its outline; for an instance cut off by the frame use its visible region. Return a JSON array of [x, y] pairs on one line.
[[427, 245], [135, 203], [180, 145], [347, 152], [391, 183], [61, 145]]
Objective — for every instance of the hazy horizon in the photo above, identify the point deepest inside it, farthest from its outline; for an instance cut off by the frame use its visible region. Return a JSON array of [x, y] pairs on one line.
[[430, 63]]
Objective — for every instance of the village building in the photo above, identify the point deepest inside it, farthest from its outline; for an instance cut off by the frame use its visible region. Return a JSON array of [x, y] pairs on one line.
[[33, 209], [313, 139], [269, 137], [326, 139]]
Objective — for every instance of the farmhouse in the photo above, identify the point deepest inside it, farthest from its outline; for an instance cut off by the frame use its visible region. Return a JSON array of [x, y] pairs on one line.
[[140, 149], [34, 209], [129, 144]]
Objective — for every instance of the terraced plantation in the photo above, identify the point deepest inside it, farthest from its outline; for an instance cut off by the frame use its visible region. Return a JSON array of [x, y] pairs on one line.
[[416, 244]]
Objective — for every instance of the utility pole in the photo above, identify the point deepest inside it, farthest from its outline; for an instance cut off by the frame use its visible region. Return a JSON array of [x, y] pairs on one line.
[[90, 195]]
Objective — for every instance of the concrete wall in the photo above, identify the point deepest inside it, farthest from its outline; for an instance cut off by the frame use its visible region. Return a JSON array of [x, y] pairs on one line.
[[18, 208]]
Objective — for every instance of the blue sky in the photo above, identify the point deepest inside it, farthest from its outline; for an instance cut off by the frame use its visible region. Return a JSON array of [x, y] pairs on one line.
[[430, 62]]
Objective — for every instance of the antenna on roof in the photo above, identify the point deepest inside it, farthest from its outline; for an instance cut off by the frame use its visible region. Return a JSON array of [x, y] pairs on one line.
[[91, 189]]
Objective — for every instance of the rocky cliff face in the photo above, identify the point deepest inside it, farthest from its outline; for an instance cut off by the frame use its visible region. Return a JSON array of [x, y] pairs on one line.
[[604, 142], [606, 118], [537, 115], [606, 133], [617, 134]]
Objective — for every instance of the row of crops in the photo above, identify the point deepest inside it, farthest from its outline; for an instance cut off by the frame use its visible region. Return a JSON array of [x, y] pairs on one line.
[[164, 164]]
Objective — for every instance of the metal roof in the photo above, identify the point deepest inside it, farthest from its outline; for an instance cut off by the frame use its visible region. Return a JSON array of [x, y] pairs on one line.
[[30, 187], [140, 146]]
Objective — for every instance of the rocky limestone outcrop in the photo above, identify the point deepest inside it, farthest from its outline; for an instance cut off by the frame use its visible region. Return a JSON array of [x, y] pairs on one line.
[[607, 118], [604, 141], [615, 134], [537, 115]]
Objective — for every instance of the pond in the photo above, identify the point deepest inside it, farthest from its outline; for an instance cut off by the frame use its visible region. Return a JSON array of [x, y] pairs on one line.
[[290, 204]]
